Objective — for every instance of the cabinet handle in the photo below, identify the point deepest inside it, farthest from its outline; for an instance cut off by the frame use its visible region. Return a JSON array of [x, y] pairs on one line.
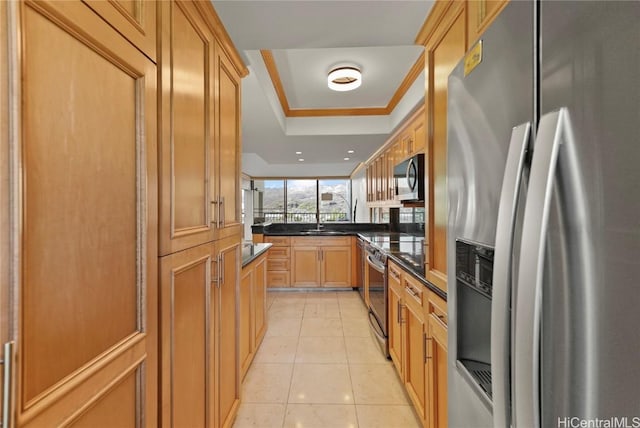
[[214, 214], [221, 209], [7, 362], [221, 269], [400, 307], [425, 347], [410, 291], [398, 312]]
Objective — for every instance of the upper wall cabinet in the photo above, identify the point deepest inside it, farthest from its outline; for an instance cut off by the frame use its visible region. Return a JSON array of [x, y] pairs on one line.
[[410, 139], [187, 156], [480, 14], [134, 19], [227, 113], [444, 35], [79, 227], [200, 108]]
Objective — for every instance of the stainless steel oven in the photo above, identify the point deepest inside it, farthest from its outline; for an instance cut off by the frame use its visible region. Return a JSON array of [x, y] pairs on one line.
[[376, 289]]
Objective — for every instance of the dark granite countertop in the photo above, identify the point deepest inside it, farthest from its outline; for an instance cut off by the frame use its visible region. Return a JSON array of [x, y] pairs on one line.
[[304, 229], [251, 251], [405, 249]]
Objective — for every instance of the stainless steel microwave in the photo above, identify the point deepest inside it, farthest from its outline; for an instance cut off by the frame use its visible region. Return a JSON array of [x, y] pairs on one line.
[[409, 178]]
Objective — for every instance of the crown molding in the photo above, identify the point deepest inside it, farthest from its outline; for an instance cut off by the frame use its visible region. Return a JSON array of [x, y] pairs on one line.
[[274, 75]]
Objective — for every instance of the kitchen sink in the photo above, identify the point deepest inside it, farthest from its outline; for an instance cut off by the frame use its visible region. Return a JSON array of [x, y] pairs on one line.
[[322, 232]]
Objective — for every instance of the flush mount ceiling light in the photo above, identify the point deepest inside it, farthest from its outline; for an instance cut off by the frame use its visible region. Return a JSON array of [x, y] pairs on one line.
[[344, 78]]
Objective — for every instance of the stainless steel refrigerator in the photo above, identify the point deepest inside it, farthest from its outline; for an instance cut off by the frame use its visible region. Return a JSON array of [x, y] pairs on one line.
[[543, 180]]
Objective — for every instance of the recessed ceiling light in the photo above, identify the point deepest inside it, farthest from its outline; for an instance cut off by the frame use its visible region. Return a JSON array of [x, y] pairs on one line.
[[300, 160], [346, 158], [344, 78], [298, 153], [349, 151]]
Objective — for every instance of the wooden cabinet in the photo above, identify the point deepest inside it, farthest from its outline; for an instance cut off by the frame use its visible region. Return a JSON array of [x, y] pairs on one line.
[[335, 266], [480, 14], [305, 266], [321, 261], [199, 293], [418, 344], [410, 139], [414, 334], [200, 156], [253, 313], [78, 227], [228, 150], [103, 124], [278, 261], [260, 300], [134, 19], [190, 300], [188, 214], [418, 128], [229, 261], [436, 316], [394, 317], [444, 37]]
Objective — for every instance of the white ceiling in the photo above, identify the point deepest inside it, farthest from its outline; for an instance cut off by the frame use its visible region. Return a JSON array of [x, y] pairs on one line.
[[306, 39]]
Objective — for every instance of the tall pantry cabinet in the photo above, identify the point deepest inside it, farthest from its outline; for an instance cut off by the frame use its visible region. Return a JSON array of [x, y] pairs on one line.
[[200, 227], [78, 216], [119, 230]]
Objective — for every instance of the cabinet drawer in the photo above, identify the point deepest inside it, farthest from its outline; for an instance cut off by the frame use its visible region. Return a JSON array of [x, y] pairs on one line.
[[278, 279], [278, 241], [414, 292], [279, 253], [437, 307], [277, 264], [320, 241]]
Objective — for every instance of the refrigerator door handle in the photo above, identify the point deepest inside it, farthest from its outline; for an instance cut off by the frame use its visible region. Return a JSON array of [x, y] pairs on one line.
[[526, 376], [502, 283]]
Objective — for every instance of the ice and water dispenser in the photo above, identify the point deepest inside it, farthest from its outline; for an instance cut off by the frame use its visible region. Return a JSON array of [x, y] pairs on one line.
[[474, 276]]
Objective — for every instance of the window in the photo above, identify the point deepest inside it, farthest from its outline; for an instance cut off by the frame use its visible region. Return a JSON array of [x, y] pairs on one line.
[[334, 200], [302, 200], [411, 215], [268, 201]]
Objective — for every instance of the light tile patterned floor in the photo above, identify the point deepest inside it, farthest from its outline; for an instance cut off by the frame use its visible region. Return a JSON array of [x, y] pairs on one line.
[[318, 367]]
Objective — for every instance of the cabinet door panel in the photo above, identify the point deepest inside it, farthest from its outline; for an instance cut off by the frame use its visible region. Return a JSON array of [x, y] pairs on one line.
[[83, 193], [437, 368], [415, 358], [228, 367], [134, 19], [109, 411], [305, 266], [187, 145], [395, 330], [186, 288], [336, 267], [246, 319], [444, 54], [229, 151], [260, 304]]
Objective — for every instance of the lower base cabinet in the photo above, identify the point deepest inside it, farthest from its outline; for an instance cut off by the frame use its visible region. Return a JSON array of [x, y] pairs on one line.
[[253, 313], [418, 344], [321, 261], [200, 383]]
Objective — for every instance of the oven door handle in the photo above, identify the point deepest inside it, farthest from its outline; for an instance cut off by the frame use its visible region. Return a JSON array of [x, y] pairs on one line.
[[380, 268]]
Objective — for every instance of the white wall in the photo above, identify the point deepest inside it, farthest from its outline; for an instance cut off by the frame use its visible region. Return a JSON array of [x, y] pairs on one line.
[[359, 193]]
